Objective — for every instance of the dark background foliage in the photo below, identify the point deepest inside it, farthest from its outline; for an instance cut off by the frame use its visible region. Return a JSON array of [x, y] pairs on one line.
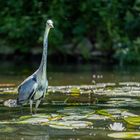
[[105, 30]]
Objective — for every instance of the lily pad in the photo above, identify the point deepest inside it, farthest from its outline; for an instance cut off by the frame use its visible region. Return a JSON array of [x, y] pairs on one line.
[[97, 117], [104, 113], [122, 102], [115, 111], [34, 121], [125, 135], [34, 116], [70, 124], [125, 113], [38, 119], [133, 120], [75, 110], [73, 117]]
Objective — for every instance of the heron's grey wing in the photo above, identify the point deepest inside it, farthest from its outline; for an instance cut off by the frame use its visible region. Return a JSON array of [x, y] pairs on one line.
[[27, 89]]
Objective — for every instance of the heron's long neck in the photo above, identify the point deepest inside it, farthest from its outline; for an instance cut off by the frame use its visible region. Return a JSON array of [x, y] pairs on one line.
[[43, 64]]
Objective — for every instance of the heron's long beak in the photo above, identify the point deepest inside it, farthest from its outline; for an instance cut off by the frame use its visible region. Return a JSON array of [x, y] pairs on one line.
[[51, 25]]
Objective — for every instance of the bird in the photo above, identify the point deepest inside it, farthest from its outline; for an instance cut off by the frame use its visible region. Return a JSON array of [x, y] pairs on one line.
[[34, 88]]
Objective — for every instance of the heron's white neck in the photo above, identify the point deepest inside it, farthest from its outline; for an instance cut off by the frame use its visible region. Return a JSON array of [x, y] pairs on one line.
[[43, 64]]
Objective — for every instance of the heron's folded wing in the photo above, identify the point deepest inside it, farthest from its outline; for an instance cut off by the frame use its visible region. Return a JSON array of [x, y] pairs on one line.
[[27, 89]]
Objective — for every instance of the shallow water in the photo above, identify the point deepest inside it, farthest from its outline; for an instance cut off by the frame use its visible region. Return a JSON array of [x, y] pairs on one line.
[[105, 111]]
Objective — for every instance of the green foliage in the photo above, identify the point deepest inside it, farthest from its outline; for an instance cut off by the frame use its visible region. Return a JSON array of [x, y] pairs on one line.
[[111, 26]]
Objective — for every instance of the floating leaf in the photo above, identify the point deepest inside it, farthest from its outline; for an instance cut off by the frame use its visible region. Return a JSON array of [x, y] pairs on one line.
[[125, 113], [122, 102], [115, 111], [120, 112], [97, 117], [8, 122], [125, 135], [70, 124], [34, 121], [39, 118], [104, 113], [73, 117], [133, 120], [25, 117], [34, 116], [75, 110]]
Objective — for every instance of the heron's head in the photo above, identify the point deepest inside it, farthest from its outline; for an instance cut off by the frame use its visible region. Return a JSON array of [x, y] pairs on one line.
[[50, 23]]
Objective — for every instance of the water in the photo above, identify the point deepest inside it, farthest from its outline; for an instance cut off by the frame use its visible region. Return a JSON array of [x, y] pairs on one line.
[[73, 121]]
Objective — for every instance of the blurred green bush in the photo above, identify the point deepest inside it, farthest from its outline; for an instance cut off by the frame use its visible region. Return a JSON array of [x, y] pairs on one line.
[[84, 28]]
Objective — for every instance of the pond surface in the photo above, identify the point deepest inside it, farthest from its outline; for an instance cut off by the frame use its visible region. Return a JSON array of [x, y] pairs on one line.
[[110, 117]]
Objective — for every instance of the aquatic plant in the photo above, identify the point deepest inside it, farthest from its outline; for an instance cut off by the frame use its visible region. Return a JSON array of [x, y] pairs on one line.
[[70, 124], [133, 120], [116, 126], [125, 135]]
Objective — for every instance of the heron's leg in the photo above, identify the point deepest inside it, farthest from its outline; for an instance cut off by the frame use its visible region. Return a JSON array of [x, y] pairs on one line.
[[21, 109], [36, 105], [31, 106]]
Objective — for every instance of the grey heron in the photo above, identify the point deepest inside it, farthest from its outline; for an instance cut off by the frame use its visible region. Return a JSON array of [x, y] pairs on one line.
[[33, 88]]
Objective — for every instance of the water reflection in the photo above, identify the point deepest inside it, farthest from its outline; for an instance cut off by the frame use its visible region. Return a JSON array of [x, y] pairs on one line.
[[71, 74]]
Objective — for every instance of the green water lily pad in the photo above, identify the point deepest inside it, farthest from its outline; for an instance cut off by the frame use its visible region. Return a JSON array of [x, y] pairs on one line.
[[133, 120], [97, 117], [73, 117], [115, 111], [119, 102], [34, 121], [70, 124], [38, 119], [125, 135], [25, 117], [8, 122], [75, 110], [104, 113], [126, 114], [35, 116]]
